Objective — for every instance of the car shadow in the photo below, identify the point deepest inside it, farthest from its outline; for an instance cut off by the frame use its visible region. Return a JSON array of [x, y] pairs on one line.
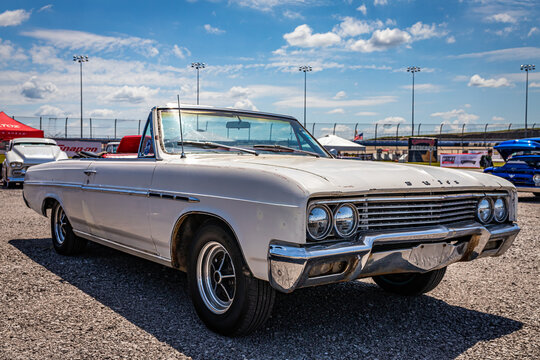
[[349, 320], [528, 199]]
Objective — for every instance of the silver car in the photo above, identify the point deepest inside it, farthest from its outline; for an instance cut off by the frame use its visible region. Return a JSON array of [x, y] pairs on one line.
[[25, 152]]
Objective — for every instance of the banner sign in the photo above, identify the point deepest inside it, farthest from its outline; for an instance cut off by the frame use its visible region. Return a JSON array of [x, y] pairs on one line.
[[71, 147], [460, 160], [420, 148]]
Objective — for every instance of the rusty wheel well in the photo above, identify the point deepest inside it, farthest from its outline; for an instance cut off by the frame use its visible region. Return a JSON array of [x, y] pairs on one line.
[[184, 232], [48, 203]]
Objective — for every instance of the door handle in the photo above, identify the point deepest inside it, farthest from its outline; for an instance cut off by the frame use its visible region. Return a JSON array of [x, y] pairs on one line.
[[89, 172]]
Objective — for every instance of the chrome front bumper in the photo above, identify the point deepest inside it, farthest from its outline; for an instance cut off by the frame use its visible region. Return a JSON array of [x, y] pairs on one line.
[[292, 266]]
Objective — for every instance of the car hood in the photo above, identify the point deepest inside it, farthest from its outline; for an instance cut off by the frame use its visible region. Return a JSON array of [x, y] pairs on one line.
[[36, 154], [320, 175]]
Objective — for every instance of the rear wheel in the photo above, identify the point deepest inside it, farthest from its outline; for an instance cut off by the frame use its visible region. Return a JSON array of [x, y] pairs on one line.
[[64, 240], [410, 283], [227, 300]]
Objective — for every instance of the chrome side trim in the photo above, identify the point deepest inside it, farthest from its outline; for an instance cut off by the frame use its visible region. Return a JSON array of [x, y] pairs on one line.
[[47, 183], [132, 251], [115, 190], [289, 265]]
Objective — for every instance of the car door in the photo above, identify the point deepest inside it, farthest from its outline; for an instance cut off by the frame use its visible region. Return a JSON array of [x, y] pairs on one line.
[[117, 189]]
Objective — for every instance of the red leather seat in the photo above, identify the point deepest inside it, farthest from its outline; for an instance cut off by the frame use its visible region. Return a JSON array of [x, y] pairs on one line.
[[128, 147]]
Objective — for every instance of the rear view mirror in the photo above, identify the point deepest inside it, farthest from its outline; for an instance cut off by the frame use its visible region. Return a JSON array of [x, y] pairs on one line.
[[238, 125]]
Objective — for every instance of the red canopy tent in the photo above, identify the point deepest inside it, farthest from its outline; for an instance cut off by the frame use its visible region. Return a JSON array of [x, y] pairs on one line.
[[11, 129]]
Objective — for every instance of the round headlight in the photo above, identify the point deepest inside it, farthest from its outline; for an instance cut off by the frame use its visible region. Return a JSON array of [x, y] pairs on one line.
[[499, 210], [536, 179], [345, 220], [484, 210], [319, 222], [16, 165]]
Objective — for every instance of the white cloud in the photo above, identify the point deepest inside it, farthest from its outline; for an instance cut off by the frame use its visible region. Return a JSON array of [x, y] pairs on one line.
[[423, 87], [534, 30], [450, 40], [48, 110], [80, 40], [13, 17], [8, 52], [131, 94], [268, 5], [324, 102], [366, 113], [380, 2], [289, 14], [362, 8], [45, 8], [456, 115], [303, 36], [421, 31], [213, 30], [46, 55], [504, 54], [497, 118], [505, 31], [336, 111], [340, 95], [534, 85], [101, 113], [33, 90], [181, 52], [477, 80], [502, 18], [381, 40], [391, 120], [245, 104], [350, 26]]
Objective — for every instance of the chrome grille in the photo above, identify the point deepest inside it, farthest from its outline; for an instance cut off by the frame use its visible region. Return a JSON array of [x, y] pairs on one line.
[[377, 212]]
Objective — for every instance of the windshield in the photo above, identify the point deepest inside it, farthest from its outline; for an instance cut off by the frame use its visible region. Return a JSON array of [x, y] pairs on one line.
[[205, 130], [32, 144]]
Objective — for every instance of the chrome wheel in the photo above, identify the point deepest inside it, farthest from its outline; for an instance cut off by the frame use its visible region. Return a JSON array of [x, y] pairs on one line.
[[216, 277], [60, 223]]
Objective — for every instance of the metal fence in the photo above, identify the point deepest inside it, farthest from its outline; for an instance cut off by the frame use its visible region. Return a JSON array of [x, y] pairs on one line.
[[117, 128]]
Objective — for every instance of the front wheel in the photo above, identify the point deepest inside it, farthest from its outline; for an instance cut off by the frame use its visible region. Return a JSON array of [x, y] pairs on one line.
[[64, 240], [227, 300], [410, 283]]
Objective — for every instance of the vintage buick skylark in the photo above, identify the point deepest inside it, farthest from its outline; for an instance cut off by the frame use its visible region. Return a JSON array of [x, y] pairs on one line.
[[248, 203]]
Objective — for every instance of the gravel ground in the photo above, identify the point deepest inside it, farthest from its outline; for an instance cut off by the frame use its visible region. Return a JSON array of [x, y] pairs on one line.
[[108, 305]]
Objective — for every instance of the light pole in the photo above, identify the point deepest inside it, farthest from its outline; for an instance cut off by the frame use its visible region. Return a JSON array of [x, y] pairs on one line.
[[412, 70], [80, 59], [305, 69], [198, 65], [527, 68]]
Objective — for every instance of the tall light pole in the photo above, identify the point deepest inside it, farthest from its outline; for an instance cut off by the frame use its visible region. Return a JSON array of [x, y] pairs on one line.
[[80, 59], [305, 69], [198, 65], [412, 70], [527, 68]]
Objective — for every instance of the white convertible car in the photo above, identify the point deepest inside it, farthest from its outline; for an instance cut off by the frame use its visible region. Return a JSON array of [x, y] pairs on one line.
[[248, 203]]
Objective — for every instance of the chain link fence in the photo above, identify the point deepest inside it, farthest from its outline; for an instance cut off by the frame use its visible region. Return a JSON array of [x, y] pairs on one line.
[[111, 129]]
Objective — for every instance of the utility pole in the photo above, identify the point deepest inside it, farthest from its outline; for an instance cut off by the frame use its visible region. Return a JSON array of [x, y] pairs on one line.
[[305, 69], [80, 59], [412, 70]]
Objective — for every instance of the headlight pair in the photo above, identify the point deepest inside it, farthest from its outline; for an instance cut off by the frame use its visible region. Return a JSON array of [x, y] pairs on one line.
[[488, 209], [321, 220], [16, 165]]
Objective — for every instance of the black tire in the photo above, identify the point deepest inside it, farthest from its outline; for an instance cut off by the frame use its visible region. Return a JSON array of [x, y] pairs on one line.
[[410, 283], [537, 194], [64, 240], [213, 258]]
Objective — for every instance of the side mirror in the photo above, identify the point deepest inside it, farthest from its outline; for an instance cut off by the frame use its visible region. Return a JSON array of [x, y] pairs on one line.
[[334, 153]]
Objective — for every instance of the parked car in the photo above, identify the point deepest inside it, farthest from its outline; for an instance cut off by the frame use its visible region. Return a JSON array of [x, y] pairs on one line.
[[248, 203], [522, 164], [111, 147], [22, 153]]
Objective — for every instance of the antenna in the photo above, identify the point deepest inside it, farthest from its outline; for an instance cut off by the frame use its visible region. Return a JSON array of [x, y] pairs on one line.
[[180, 123]]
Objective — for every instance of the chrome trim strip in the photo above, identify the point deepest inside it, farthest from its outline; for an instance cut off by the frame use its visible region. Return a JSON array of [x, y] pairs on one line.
[[140, 253], [114, 190], [378, 198], [46, 183]]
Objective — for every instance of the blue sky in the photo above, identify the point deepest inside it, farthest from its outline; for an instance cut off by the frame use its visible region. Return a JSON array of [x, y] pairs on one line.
[[140, 52]]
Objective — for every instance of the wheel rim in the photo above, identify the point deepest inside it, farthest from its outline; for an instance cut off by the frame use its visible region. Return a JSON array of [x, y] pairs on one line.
[[216, 277], [60, 223]]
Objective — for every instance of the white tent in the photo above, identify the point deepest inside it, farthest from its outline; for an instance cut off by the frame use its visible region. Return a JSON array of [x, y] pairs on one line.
[[339, 144]]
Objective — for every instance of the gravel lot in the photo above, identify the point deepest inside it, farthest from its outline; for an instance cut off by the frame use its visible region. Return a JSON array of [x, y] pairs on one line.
[[106, 304]]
